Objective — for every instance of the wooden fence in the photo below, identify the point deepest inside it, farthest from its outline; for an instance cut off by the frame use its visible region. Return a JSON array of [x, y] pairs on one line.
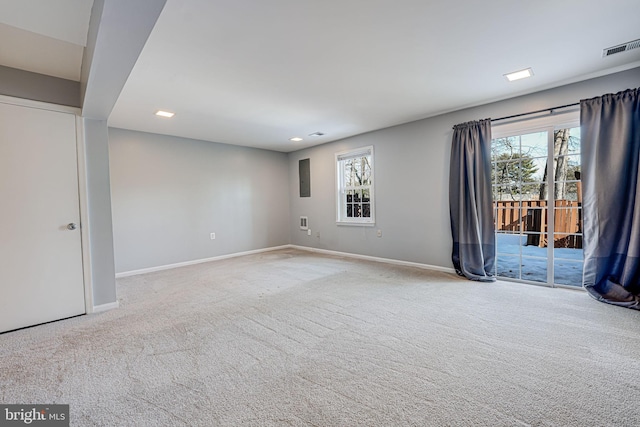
[[529, 217]]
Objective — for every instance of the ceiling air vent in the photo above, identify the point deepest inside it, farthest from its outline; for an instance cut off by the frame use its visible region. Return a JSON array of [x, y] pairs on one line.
[[620, 48]]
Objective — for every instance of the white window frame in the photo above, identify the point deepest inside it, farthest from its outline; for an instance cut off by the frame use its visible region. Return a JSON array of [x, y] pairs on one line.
[[341, 209], [521, 126]]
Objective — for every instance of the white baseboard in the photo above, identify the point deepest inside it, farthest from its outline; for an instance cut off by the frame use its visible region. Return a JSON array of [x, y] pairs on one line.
[[197, 261], [376, 259], [274, 248], [105, 307]]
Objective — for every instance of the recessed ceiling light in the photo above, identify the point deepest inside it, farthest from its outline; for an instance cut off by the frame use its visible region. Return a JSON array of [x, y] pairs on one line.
[[517, 75], [295, 139], [165, 114]]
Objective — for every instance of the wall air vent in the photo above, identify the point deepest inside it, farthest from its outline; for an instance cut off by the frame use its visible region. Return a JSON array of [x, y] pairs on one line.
[[620, 48]]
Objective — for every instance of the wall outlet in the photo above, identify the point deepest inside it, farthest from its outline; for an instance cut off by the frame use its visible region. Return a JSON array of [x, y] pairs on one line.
[[309, 232], [213, 236], [379, 233]]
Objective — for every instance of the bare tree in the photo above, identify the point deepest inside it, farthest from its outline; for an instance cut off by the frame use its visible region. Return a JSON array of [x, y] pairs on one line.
[[561, 141], [359, 173]]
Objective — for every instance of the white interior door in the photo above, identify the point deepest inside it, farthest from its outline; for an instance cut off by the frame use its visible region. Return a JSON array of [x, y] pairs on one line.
[[40, 255]]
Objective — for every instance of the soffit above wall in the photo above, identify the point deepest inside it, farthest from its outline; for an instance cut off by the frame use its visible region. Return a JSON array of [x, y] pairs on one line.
[[40, 54], [45, 37]]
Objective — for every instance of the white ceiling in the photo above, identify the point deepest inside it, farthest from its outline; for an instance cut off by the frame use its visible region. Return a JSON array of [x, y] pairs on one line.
[[256, 72], [44, 36]]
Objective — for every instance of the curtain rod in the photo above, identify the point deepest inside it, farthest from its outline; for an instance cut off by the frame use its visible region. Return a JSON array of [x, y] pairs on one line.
[[536, 112]]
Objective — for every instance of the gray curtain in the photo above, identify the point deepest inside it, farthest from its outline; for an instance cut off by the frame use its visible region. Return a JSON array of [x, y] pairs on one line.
[[470, 201], [610, 136]]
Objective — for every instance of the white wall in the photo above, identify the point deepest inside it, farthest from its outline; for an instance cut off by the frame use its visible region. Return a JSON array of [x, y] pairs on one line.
[[411, 179], [169, 194], [99, 215]]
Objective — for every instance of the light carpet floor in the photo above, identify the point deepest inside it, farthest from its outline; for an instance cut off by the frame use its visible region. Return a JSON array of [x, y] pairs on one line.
[[292, 338]]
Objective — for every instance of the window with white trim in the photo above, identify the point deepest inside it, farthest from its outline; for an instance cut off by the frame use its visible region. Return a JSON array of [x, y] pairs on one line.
[[354, 193]]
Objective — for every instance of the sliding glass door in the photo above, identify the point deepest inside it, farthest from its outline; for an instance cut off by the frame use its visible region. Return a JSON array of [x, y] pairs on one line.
[[538, 204]]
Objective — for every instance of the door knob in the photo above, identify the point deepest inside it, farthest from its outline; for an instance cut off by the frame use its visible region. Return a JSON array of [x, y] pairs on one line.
[[72, 226]]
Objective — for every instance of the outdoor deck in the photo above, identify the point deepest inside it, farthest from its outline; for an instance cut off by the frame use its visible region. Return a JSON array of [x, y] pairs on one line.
[[516, 259]]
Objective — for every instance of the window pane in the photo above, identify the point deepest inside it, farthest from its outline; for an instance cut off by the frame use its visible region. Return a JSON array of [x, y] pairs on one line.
[[366, 210], [352, 174], [566, 141], [535, 239], [507, 192], [572, 190], [532, 190], [506, 172], [537, 248], [508, 218], [357, 171], [534, 145], [567, 176], [365, 167], [571, 251], [535, 268], [529, 169], [572, 161], [566, 169], [567, 219], [574, 140], [568, 260], [539, 168], [349, 173], [567, 272], [505, 148], [509, 243], [508, 266], [568, 246], [534, 217]]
